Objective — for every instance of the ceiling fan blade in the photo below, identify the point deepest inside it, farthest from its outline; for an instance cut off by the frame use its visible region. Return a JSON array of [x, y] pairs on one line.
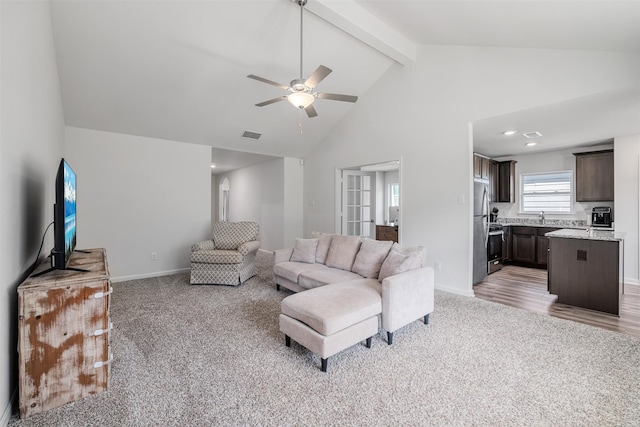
[[311, 111], [337, 97], [263, 80], [272, 101], [318, 75]]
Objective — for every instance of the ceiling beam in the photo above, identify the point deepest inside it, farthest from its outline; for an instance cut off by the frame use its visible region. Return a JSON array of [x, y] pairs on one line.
[[351, 18]]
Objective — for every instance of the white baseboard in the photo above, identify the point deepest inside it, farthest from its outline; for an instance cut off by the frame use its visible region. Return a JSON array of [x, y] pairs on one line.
[[148, 275], [466, 293], [632, 282], [266, 251], [6, 414]]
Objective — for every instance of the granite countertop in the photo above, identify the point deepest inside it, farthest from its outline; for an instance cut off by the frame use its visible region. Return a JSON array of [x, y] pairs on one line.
[[590, 234], [557, 223]]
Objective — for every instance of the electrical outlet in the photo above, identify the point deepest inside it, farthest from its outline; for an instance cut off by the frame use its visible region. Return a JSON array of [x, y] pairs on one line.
[[438, 265], [154, 256]]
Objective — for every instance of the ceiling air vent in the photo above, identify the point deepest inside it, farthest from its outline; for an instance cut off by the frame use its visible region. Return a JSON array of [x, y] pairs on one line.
[[251, 135], [532, 135]]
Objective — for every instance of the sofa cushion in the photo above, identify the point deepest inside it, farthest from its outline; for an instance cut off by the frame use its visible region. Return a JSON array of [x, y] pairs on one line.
[[305, 251], [370, 257], [217, 256], [291, 270], [324, 241], [230, 235], [313, 278], [332, 308], [401, 259], [343, 251]]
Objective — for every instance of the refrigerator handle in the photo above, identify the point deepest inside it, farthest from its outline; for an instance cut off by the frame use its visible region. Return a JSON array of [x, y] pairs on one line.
[[485, 204]]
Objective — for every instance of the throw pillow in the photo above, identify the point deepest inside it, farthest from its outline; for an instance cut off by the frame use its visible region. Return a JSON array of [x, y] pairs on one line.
[[305, 251], [370, 257], [324, 241], [342, 252], [401, 259]]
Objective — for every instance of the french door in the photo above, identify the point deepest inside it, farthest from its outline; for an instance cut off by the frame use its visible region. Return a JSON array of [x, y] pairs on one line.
[[358, 203]]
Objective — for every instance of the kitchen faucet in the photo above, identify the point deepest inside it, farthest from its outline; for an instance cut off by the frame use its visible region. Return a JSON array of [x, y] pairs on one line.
[[541, 217]]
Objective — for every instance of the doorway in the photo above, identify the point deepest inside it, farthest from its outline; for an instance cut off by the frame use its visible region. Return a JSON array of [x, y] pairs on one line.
[[367, 197]]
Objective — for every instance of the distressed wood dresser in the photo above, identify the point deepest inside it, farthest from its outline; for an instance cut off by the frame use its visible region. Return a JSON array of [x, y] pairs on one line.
[[64, 333]]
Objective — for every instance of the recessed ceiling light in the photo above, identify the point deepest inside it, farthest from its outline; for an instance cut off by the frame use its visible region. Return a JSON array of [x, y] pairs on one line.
[[530, 143], [509, 132], [532, 135]]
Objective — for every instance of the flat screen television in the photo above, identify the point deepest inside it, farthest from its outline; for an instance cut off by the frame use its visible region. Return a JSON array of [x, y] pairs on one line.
[[64, 216]]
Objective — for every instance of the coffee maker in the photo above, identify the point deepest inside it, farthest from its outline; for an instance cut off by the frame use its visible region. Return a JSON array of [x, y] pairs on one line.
[[601, 217]]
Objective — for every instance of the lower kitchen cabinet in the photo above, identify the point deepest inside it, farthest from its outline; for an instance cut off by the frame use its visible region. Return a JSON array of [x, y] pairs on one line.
[[529, 246]]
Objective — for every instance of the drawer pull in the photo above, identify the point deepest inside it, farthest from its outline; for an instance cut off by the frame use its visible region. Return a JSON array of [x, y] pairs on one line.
[[101, 294], [99, 332], [101, 364]]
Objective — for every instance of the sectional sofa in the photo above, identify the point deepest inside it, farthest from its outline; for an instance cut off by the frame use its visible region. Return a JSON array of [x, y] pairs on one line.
[[403, 283]]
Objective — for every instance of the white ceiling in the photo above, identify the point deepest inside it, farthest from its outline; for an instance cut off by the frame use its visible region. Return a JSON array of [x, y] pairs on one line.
[[177, 69]]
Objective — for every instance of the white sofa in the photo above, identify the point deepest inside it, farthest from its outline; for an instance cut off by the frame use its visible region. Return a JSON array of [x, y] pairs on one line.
[[404, 285]]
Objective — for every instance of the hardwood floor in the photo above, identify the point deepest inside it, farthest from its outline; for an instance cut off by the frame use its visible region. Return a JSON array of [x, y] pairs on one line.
[[526, 288]]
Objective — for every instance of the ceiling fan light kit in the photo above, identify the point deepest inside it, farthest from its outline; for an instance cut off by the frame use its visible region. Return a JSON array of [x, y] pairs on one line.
[[302, 93]]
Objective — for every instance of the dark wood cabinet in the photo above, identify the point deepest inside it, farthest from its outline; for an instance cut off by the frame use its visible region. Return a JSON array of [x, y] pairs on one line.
[[480, 167], [594, 176], [507, 181], [542, 245], [506, 245], [494, 181], [585, 273], [387, 232], [529, 245], [523, 240]]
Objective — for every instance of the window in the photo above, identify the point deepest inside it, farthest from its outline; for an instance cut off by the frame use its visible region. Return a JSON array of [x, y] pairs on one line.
[[549, 192], [394, 194]]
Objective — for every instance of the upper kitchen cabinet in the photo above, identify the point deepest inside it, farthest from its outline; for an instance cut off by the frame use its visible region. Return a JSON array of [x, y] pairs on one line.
[[507, 181], [494, 181], [480, 167], [594, 176]]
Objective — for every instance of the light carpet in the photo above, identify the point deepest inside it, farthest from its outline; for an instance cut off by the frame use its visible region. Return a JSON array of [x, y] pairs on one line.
[[213, 355]]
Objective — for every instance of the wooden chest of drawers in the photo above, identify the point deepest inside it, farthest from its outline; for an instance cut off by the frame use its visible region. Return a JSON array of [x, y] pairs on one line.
[[387, 232], [64, 333]]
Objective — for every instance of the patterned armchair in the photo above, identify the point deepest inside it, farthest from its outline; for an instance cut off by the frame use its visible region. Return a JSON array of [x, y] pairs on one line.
[[229, 257]]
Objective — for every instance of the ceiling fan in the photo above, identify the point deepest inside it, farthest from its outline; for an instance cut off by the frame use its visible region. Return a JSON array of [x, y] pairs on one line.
[[302, 91]]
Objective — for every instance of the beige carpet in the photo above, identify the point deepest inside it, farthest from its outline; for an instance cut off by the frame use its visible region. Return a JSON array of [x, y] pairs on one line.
[[213, 355]]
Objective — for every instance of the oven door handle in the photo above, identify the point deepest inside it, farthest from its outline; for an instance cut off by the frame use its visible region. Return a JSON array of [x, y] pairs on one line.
[[496, 233]]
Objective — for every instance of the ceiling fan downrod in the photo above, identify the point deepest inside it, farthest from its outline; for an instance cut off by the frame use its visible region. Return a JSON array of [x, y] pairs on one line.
[[302, 3]]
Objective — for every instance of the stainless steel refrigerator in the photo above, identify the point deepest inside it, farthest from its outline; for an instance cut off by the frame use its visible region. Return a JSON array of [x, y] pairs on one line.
[[480, 230]]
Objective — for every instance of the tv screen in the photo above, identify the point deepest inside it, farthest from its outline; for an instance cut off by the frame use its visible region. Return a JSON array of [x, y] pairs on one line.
[[64, 215]]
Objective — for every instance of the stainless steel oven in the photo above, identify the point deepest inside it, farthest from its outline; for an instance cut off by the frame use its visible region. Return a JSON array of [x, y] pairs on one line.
[[494, 248]]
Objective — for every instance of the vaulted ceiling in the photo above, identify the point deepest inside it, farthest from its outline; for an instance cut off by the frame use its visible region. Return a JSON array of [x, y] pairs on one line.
[[177, 69]]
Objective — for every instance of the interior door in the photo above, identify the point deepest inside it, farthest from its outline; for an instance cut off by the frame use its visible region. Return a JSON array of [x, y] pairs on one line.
[[358, 203]]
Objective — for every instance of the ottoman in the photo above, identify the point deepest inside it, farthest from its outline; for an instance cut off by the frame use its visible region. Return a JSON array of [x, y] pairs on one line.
[[331, 318]]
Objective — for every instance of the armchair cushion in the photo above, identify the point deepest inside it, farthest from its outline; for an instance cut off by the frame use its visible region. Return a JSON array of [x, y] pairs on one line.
[[230, 235], [217, 256], [305, 251]]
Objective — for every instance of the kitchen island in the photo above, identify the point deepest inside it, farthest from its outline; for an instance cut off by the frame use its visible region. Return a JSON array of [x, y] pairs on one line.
[[586, 268]]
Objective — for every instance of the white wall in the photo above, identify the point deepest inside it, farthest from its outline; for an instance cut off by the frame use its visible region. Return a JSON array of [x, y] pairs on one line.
[[31, 145], [421, 113], [293, 185], [256, 194], [140, 195], [553, 161], [627, 210]]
